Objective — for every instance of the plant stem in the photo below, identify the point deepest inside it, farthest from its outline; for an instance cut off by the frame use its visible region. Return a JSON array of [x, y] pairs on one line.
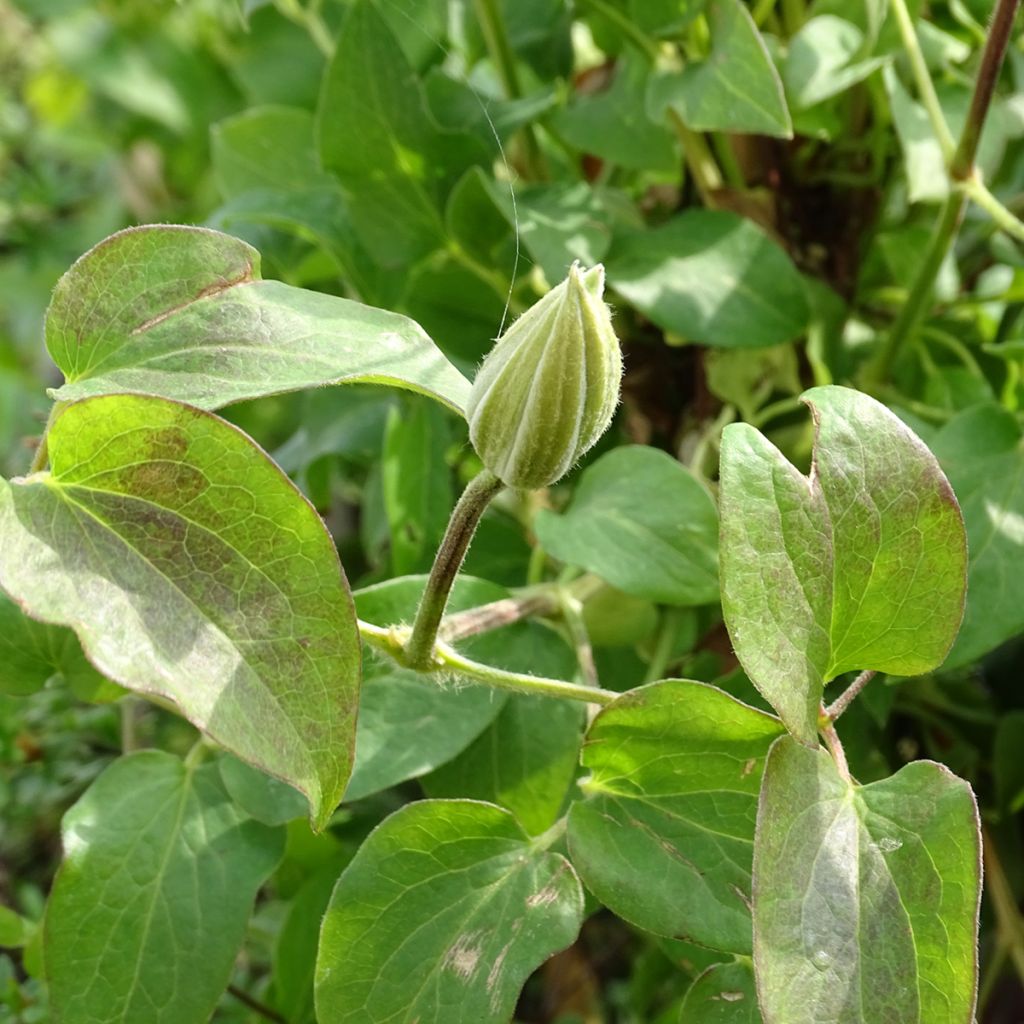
[[849, 695], [996, 43], [629, 29], [923, 80], [256, 1006], [444, 658], [448, 658], [1001, 216], [492, 26], [538, 601], [1008, 915], [699, 160], [461, 527], [572, 616], [832, 741], [916, 305], [42, 455], [668, 630], [961, 169]]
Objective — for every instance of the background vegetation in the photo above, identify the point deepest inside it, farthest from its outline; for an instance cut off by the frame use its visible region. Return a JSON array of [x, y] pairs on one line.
[[763, 182]]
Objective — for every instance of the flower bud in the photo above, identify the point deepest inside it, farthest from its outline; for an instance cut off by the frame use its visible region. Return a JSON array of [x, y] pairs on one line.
[[547, 390]]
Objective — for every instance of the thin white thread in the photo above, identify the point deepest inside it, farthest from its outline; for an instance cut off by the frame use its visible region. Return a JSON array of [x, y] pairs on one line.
[[501, 153]]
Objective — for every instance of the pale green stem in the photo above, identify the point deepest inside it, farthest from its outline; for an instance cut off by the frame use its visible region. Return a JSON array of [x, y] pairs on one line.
[[916, 306], [664, 643], [961, 170], [1001, 216], [461, 527], [923, 80], [448, 658]]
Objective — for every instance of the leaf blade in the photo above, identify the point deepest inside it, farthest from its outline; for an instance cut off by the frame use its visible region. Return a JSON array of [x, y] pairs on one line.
[[180, 312], [451, 930], [143, 493], [144, 894]]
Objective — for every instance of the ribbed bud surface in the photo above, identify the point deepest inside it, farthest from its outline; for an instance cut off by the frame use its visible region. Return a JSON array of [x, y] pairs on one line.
[[548, 389]]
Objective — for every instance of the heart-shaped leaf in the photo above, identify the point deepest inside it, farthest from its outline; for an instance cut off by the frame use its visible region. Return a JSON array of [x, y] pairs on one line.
[[861, 565], [865, 897], [723, 994], [191, 568], [672, 798], [180, 312], [159, 876], [642, 521], [440, 918]]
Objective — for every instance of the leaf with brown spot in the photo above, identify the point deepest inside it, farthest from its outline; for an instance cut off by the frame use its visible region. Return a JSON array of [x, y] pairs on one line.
[[191, 568], [441, 917], [180, 312]]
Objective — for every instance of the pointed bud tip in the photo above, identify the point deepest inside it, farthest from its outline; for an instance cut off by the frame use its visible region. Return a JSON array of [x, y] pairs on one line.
[[548, 389]]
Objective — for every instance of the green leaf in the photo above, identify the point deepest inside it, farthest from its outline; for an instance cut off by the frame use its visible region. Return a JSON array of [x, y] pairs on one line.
[[557, 224], [923, 162], [641, 521], [664, 17], [417, 484], [375, 134], [180, 312], [823, 60], [981, 450], [443, 914], [296, 946], [525, 760], [671, 804], [860, 566], [723, 994], [712, 277], [1007, 764], [613, 125], [865, 897], [265, 147], [736, 89], [32, 652], [14, 929], [151, 904], [261, 796], [192, 569], [410, 724]]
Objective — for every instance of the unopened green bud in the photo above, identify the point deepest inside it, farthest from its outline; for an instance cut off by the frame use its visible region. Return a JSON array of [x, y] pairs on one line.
[[548, 389]]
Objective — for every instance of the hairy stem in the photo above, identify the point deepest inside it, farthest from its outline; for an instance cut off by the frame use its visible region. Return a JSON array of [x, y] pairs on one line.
[[849, 695], [445, 659], [519, 682], [461, 527], [832, 741]]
